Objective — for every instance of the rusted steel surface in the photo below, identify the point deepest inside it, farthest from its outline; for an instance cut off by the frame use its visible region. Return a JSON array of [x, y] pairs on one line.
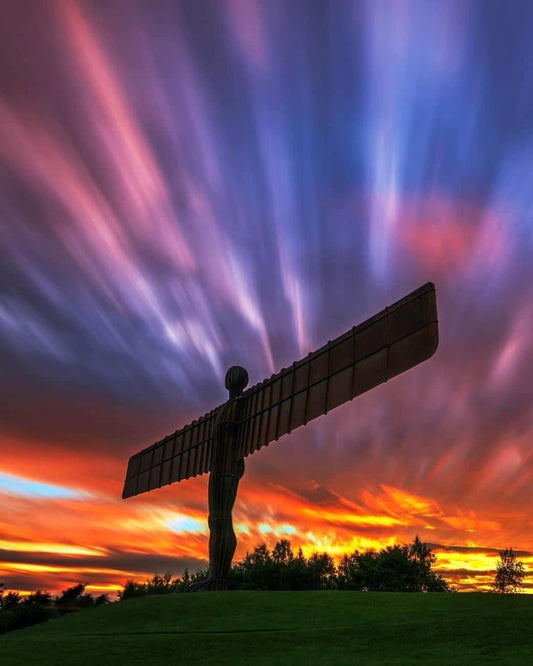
[[185, 453], [389, 343]]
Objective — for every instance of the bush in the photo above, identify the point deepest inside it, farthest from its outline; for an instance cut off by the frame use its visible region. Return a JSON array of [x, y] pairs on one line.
[[393, 569], [17, 612]]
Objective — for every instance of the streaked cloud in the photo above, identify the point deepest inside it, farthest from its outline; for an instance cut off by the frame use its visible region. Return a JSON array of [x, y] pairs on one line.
[[17, 485], [186, 189]]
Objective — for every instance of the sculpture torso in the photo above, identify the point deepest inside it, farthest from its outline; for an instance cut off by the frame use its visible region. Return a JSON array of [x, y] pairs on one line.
[[225, 459]]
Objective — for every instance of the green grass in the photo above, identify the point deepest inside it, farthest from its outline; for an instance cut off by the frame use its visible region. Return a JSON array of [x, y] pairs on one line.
[[311, 628]]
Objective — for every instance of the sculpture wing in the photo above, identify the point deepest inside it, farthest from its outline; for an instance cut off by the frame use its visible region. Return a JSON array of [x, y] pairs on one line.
[[181, 455], [394, 340]]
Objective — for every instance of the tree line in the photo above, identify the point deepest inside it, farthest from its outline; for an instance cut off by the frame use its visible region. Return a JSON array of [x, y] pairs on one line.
[[391, 569], [17, 612]]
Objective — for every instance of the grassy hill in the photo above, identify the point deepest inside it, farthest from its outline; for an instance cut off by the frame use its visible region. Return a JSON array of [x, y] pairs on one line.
[[311, 628]]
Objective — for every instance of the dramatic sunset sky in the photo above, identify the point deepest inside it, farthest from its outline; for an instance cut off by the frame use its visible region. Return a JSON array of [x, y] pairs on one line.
[[190, 185]]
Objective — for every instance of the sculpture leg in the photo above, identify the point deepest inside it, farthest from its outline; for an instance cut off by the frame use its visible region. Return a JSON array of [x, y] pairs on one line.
[[222, 544], [222, 540]]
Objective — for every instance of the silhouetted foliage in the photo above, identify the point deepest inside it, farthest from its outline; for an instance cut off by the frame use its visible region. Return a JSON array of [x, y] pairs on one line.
[[73, 599], [321, 571], [102, 600], [298, 579], [10, 600], [509, 573], [159, 584], [164, 584], [18, 611], [393, 569], [132, 590], [255, 571], [279, 569], [426, 579], [39, 599]]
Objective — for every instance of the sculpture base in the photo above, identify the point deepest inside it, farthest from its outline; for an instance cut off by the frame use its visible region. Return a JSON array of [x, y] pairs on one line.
[[210, 585]]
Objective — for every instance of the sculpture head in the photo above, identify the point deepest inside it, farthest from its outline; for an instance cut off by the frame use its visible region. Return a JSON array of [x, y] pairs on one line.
[[236, 380]]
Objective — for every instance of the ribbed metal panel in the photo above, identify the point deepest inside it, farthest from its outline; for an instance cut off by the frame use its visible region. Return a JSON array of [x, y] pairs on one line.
[[389, 343]]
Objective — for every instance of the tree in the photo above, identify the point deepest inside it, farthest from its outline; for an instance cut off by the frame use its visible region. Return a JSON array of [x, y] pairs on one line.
[[348, 572], [426, 579], [131, 590], [392, 569], [282, 556], [71, 599], [38, 598], [160, 584], [421, 552], [509, 573], [389, 570], [396, 571], [297, 567], [280, 569], [256, 569], [321, 571], [102, 600], [282, 553], [10, 600], [17, 612]]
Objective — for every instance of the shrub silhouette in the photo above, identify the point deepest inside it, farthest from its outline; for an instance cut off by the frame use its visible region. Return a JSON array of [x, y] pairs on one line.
[[393, 569], [17, 612]]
